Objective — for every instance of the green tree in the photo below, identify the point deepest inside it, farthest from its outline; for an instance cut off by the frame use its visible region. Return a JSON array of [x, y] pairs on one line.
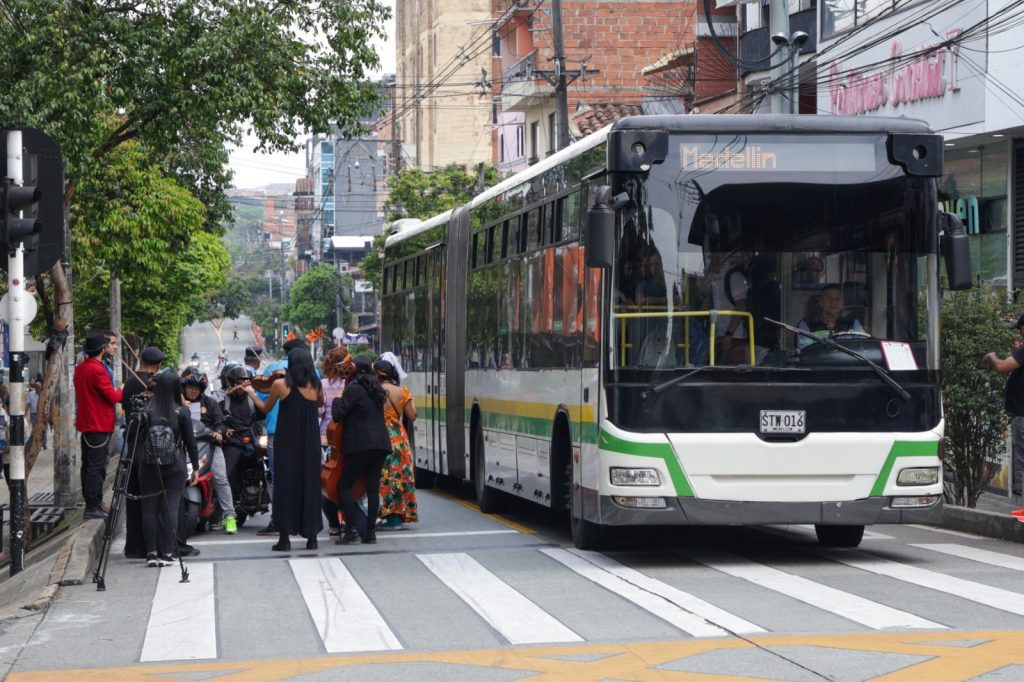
[[127, 218], [413, 193], [972, 394], [185, 78], [312, 300]]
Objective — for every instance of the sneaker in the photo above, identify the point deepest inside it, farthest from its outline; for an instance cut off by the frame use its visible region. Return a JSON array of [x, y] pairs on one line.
[[392, 523], [166, 560], [351, 537], [96, 513], [268, 530], [158, 560], [230, 525]]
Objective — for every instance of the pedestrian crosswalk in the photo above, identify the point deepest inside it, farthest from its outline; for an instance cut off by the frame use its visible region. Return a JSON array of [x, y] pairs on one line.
[[348, 613]]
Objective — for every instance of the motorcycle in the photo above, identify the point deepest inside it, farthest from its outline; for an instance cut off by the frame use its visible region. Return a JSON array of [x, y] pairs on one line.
[[253, 494], [198, 507]]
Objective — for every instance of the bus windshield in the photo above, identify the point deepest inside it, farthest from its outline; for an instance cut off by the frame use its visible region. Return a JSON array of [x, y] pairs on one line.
[[817, 232]]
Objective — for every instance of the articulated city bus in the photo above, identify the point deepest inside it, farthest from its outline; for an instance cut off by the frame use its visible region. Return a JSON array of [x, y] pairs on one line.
[[689, 320]]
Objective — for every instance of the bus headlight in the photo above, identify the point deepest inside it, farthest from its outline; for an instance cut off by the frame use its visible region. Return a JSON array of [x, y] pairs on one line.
[[625, 476], [918, 476]]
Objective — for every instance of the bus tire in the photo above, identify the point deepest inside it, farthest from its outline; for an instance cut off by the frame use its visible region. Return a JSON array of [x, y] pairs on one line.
[[839, 536], [425, 478], [585, 534], [489, 500]]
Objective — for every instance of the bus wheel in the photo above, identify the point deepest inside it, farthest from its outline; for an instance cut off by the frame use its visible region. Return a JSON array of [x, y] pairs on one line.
[[585, 534], [491, 501], [425, 478], [839, 536]]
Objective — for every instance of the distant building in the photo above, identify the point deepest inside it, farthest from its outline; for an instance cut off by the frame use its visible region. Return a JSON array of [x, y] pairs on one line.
[[443, 116]]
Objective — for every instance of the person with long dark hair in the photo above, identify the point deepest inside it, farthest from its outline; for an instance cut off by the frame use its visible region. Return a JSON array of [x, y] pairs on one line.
[[398, 478], [365, 443], [298, 456], [162, 485]]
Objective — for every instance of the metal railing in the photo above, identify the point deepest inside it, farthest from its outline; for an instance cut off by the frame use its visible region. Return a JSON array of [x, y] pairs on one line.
[[712, 314]]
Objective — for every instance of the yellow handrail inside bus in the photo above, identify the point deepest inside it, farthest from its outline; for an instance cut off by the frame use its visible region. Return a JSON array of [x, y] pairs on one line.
[[713, 314]]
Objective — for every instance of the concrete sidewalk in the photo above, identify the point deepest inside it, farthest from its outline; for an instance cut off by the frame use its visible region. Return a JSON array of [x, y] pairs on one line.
[[990, 518]]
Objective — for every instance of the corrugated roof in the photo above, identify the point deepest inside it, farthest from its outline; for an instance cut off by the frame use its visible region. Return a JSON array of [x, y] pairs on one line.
[[597, 116]]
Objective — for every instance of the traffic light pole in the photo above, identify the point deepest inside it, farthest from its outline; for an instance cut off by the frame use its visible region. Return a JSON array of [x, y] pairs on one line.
[[16, 320]]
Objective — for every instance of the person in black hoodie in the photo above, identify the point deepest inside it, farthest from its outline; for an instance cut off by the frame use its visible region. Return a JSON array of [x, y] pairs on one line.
[[137, 382], [365, 442]]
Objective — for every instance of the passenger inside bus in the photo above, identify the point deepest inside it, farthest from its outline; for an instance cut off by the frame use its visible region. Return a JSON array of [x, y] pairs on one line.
[[825, 317], [728, 285]]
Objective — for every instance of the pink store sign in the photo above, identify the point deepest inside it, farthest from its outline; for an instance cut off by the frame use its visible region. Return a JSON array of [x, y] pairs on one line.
[[928, 72]]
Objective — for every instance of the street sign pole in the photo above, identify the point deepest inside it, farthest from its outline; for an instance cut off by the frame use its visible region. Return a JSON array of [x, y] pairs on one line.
[[17, 319]]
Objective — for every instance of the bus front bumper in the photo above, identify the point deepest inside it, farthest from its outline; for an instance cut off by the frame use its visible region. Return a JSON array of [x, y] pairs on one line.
[[691, 511]]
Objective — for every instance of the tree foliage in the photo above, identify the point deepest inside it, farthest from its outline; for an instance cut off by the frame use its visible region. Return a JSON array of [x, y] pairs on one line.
[[127, 219], [414, 193], [312, 301], [972, 394]]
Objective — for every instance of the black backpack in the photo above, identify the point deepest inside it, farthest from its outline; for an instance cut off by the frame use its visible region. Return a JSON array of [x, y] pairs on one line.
[[162, 443]]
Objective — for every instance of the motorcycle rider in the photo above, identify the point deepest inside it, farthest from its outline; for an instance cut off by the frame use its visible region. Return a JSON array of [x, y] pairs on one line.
[[241, 415], [208, 412]]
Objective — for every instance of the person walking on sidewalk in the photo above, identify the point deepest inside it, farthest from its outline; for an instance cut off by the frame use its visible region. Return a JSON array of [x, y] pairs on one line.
[[96, 397], [1013, 365]]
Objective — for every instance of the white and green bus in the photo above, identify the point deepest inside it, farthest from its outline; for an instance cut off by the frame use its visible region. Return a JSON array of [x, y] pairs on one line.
[[689, 320]]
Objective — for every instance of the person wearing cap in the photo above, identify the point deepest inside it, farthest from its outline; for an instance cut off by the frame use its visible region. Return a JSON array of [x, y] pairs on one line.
[[96, 397], [1013, 365], [150, 360], [252, 357]]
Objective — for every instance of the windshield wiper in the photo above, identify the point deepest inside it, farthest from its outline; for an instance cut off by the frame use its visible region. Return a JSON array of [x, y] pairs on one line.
[[665, 385], [881, 373]]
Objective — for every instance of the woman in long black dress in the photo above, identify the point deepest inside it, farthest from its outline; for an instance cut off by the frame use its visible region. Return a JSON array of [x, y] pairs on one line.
[[297, 452]]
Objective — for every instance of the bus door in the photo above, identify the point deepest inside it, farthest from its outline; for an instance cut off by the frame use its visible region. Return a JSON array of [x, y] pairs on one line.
[[432, 433]]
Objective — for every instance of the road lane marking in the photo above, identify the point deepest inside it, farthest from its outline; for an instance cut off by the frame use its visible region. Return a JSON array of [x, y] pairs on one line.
[[946, 531], [381, 535], [680, 609], [183, 621], [344, 616], [518, 619], [997, 598], [984, 556], [474, 507], [849, 606]]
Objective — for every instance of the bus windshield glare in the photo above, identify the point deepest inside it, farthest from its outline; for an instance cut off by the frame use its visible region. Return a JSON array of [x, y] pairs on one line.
[[732, 233]]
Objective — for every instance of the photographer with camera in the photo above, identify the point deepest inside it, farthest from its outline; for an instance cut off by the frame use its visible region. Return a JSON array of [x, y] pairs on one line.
[[134, 398], [163, 472]]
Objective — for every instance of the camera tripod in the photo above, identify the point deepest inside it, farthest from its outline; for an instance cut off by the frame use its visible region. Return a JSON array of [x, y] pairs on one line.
[[133, 440]]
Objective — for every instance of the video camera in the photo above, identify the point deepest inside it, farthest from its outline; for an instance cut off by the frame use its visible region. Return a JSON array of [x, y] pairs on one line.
[[138, 402]]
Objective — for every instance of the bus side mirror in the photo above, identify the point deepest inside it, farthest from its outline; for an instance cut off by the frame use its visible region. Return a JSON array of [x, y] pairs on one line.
[[600, 236], [956, 252]]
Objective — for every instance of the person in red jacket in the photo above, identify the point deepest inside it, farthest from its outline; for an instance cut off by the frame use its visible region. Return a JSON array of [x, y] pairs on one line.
[[96, 397]]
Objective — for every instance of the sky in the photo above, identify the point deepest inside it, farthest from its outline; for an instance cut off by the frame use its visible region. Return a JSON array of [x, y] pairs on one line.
[[255, 170]]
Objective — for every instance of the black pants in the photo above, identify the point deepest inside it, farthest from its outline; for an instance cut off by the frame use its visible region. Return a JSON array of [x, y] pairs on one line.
[[95, 451], [368, 463], [160, 505]]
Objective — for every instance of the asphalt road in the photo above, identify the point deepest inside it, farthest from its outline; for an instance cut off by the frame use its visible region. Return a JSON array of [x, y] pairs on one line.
[[463, 595], [201, 339]]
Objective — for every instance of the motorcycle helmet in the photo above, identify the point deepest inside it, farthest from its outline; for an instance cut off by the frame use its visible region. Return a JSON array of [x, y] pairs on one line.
[[233, 376], [224, 375], [193, 376]]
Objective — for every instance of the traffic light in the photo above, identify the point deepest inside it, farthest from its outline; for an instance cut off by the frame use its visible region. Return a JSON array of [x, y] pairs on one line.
[[13, 228]]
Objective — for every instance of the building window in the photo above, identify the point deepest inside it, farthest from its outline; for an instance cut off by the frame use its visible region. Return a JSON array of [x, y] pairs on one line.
[[501, 147], [535, 142], [838, 16], [520, 142], [551, 134], [974, 187]]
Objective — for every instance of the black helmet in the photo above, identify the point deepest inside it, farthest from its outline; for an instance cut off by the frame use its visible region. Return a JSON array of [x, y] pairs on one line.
[[193, 376], [233, 375]]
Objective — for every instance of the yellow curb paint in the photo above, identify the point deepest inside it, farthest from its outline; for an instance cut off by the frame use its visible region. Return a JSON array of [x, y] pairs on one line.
[[634, 661], [500, 519]]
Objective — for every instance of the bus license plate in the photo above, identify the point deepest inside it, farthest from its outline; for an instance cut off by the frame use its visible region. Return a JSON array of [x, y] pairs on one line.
[[783, 421]]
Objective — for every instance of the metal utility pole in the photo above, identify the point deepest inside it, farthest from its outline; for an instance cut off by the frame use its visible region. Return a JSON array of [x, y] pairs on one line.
[[778, 28], [115, 324], [561, 87], [20, 308]]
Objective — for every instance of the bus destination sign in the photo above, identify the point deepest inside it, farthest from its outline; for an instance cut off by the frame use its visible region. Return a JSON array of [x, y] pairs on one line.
[[777, 156]]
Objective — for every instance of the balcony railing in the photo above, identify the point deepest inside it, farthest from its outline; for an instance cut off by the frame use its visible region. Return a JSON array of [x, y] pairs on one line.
[[521, 70]]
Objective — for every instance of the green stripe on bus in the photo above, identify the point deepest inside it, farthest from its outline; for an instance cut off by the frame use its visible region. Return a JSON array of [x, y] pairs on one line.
[[516, 424], [661, 451], [903, 448]]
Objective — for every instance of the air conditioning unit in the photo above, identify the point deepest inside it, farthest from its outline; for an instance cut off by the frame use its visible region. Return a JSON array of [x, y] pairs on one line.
[[343, 267]]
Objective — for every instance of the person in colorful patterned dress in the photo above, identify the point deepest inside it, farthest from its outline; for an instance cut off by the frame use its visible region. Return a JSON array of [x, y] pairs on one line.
[[398, 480]]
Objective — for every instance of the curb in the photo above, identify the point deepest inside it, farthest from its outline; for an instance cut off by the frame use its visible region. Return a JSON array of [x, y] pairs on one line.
[[81, 552], [985, 523]]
